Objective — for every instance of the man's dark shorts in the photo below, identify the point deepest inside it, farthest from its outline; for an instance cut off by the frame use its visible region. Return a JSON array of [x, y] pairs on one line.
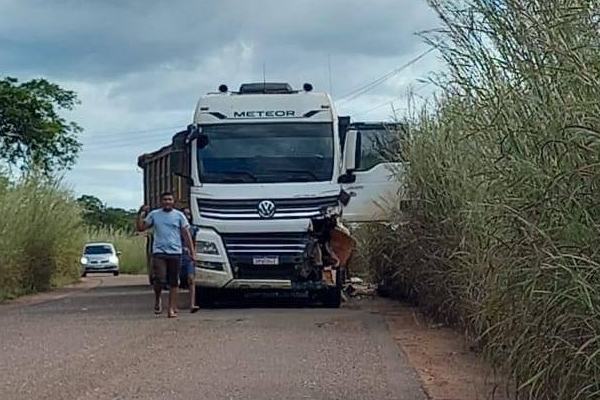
[[165, 268]]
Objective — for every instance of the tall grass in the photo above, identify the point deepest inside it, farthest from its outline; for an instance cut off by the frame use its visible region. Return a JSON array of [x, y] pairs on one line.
[[40, 237], [132, 246], [502, 228]]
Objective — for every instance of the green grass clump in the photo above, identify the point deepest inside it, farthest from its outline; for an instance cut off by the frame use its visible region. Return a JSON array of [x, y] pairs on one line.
[[501, 223], [40, 237]]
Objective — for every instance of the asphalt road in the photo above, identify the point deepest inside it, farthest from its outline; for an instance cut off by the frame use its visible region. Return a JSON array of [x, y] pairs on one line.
[[105, 343]]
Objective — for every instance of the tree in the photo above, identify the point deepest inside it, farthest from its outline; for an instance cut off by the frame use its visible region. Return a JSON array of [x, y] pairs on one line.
[[97, 215], [91, 204], [32, 134]]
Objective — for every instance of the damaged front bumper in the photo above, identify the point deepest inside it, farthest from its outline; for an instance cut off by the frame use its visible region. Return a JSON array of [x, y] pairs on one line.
[[298, 261]]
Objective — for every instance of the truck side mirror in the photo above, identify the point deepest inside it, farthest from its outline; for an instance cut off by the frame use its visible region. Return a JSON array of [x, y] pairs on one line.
[[202, 141], [347, 178], [195, 133], [177, 155]]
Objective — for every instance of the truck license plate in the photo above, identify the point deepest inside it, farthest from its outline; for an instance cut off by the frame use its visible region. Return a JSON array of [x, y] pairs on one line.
[[265, 261]]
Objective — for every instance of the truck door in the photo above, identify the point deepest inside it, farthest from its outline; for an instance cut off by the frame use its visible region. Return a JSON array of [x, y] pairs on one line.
[[374, 168]]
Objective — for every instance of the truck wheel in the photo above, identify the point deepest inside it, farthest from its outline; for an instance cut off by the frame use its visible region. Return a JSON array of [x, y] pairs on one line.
[[84, 274], [205, 297], [332, 298], [116, 273]]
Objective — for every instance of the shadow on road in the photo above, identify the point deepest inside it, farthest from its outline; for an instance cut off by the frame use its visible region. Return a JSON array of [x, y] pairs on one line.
[[135, 293]]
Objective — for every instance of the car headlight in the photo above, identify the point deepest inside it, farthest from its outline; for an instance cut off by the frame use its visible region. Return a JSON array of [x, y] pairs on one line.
[[113, 259], [203, 247], [83, 260]]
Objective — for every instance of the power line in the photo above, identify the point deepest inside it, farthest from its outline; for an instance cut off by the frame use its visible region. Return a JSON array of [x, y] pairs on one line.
[[137, 143], [131, 139], [365, 88], [126, 141], [143, 131], [385, 103]]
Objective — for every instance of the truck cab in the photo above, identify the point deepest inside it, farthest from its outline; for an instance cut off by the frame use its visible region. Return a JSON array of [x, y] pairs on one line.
[[272, 173]]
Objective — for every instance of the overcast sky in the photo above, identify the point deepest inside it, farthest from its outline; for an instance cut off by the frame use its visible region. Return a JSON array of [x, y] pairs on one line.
[[140, 66]]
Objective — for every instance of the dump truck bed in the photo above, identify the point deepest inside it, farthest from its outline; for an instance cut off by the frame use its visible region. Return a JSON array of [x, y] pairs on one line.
[[158, 179]]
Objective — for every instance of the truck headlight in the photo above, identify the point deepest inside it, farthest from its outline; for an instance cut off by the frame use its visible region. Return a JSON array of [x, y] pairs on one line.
[[83, 260], [215, 266], [203, 247], [113, 259]]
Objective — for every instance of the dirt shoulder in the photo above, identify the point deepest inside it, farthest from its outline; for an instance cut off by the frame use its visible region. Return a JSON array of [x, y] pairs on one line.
[[86, 283], [54, 294], [448, 369]]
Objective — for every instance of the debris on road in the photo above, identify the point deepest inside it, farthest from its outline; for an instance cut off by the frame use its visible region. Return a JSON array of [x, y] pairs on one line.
[[357, 288]]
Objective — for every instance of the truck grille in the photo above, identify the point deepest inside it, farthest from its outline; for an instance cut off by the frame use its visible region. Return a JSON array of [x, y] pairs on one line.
[[242, 248], [248, 209]]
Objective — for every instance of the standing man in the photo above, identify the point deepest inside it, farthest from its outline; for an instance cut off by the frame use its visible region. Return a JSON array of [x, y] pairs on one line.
[[170, 226], [188, 265]]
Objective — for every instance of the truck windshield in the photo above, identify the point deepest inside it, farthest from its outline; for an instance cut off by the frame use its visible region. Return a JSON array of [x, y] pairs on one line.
[[267, 153]]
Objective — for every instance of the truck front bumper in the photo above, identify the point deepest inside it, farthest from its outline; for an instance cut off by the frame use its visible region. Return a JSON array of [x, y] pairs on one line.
[[230, 264]]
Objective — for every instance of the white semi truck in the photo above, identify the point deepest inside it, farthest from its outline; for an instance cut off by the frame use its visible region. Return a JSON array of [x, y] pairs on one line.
[[269, 173]]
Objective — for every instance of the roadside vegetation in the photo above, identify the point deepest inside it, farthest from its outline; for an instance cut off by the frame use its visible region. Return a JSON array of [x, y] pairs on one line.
[[40, 237], [42, 233], [498, 229], [43, 228]]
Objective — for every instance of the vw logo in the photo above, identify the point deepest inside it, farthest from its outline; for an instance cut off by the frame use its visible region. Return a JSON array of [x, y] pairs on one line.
[[266, 209]]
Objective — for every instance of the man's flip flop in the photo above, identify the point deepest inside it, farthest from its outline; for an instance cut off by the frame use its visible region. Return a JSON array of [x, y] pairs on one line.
[[158, 310], [194, 309], [172, 314]]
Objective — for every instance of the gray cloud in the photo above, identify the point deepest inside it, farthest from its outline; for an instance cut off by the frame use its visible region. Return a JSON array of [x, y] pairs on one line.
[[143, 64], [96, 40]]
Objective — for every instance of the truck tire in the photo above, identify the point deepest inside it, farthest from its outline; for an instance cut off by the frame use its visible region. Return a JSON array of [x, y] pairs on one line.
[[205, 297], [116, 273], [332, 298]]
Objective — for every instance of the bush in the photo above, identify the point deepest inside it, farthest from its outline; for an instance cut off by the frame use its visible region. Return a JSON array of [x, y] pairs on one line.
[[502, 224], [40, 237]]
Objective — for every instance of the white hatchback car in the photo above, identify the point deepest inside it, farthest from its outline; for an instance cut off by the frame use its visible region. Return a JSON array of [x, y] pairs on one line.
[[100, 258]]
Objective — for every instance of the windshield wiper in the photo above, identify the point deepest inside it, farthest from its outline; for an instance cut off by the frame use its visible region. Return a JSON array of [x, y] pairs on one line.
[[298, 171], [235, 172]]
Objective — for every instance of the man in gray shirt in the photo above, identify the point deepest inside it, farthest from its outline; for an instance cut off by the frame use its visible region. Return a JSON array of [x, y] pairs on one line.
[[169, 226]]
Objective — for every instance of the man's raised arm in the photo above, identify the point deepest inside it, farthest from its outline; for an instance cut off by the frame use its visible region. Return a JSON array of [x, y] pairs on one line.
[[140, 222]]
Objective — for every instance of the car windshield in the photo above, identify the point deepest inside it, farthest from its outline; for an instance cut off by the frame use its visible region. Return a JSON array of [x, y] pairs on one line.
[[267, 153], [98, 249]]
